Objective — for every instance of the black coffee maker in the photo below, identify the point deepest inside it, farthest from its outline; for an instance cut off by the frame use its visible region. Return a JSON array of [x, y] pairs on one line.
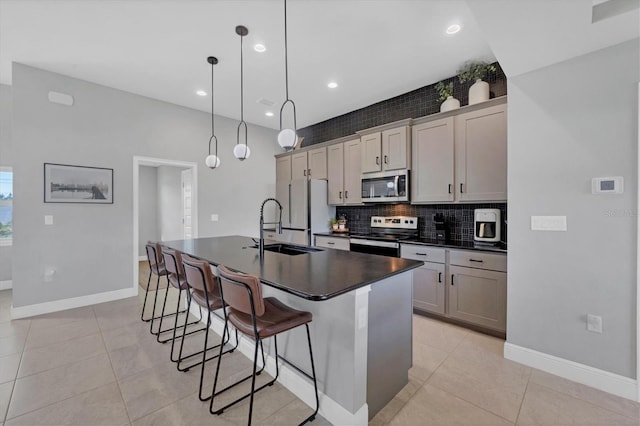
[[441, 228]]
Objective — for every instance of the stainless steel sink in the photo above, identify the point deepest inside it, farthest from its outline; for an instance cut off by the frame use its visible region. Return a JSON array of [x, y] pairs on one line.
[[289, 249]]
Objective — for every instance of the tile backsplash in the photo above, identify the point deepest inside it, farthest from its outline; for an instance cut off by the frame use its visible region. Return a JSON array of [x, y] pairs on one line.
[[459, 217], [417, 103]]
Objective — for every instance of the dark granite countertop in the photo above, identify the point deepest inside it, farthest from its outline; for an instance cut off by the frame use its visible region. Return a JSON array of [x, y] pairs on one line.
[[315, 276], [499, 248]]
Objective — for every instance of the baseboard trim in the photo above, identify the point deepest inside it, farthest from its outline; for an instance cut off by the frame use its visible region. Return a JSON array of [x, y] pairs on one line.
[[142, 258], [296, 383], [74, 302], [574, 371], [6, 285]]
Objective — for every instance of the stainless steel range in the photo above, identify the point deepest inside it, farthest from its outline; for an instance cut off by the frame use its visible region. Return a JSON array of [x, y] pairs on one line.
[[385, 235]]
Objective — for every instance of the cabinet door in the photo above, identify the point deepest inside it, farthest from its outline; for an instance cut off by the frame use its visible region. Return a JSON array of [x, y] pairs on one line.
[[318, 163], [429, 287], [478, 296], [335, 171], [394, 148], [432, 173], [352, 172], [283, 195], [283, 168], [299, 166], [371, 153], [481, 154]]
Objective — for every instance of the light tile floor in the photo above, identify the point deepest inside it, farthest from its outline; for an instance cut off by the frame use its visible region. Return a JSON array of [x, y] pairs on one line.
[[99, 366]]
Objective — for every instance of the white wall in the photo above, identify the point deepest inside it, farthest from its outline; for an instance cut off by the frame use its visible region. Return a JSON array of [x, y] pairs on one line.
[[107, 128], [5, 160], [568, 123], [148, 208], [170, 212]]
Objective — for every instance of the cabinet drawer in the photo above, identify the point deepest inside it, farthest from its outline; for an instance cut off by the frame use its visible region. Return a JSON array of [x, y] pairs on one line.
[[479, 260], [424, 253], [270, 235], [334, 243]]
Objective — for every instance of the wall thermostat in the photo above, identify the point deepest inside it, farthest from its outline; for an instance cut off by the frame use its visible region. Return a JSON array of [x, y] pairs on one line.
[[607, 185]]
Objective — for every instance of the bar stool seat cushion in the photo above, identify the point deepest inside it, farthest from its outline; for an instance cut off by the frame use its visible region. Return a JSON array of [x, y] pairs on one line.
[[158, 269], [277, 318], [214, 303]]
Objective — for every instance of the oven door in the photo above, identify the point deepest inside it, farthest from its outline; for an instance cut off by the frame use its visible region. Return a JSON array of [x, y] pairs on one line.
[[383, 248]]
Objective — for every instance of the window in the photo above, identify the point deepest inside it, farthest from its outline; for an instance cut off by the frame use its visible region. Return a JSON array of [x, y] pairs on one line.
[[6, 206]]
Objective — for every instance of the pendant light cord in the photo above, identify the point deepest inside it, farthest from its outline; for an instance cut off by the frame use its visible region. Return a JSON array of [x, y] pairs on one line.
[[286, 74], [213, 131], [242, 31]]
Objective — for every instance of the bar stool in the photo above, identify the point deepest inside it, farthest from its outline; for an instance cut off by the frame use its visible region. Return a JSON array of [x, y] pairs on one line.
[[205, 291], [173, 265], [259, 318], [156, 266]]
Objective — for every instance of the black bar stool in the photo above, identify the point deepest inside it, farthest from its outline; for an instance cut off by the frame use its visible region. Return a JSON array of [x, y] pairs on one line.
[[259, 318], [156, 267], [173, 264], [205, 291]]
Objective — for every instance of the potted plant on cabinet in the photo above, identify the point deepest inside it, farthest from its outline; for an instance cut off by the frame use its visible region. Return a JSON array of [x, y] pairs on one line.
[[476, 71], [334, 224], [445, 92]]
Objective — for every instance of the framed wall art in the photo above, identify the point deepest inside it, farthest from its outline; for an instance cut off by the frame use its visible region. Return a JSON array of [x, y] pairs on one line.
[[77, 184]]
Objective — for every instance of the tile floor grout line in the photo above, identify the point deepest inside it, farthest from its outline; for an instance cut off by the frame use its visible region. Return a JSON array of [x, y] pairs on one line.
[[524, 395], [15, 379], [115, 376]]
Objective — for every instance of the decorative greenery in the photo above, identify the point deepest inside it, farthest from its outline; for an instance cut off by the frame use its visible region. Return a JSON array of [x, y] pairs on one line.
[[6, 230], [444, 90], [333, 221], [472, 71]]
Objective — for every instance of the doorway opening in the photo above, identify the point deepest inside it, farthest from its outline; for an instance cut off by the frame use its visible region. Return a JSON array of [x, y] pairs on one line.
[[164, 204]]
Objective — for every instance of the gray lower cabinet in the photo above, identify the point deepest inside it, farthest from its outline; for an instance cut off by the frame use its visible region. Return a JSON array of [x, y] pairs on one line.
[[338, 243], [466, 285], [478, 296]]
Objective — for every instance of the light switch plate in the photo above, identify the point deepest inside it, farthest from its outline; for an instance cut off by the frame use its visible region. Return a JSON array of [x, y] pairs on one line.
[[214, 218], [48, 220], [548, 223]]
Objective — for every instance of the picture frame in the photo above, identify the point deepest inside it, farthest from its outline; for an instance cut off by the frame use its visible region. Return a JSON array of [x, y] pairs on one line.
[[65, 183]]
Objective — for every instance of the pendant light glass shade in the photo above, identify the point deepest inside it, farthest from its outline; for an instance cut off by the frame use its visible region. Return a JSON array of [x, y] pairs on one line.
[[287, 138], [212, 161], [241, 151]]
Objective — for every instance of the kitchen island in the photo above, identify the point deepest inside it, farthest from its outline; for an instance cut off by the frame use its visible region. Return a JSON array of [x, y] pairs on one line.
[[362, 320]]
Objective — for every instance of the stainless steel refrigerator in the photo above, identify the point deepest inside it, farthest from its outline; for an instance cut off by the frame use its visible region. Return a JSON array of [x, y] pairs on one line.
[[304, 210]]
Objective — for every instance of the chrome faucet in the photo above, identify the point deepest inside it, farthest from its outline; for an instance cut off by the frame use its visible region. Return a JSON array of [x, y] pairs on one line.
[[262, 223]]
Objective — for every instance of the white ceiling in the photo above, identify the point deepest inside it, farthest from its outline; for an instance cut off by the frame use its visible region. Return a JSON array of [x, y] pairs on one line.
[[374, 49]]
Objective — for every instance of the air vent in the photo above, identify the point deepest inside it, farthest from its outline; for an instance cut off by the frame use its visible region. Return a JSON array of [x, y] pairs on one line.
[[265, 102]]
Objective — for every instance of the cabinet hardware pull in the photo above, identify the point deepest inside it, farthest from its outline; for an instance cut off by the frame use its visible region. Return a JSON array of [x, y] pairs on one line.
[[476, 260], [331, 243], [421, 254], [340, 195], [461, 191], [304, 172], [451, 279], [346, 194], [377, 161], [289, 201], [386, 161], [449, 188], [439, 277]]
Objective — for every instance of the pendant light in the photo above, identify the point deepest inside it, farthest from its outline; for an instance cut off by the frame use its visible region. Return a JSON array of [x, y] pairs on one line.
[[287, 137], [241, 151], [212, 161]]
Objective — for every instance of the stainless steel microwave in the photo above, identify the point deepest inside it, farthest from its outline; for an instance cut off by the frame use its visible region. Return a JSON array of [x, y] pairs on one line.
[[386, 187]]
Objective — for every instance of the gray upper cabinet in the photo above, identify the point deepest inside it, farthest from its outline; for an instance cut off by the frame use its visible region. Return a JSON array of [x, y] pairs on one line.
[[317, 160], [432, 178], [387, 149], [343, 170], [283, 168], [299, 165], [371, 152], [303, 165], [481, 154]]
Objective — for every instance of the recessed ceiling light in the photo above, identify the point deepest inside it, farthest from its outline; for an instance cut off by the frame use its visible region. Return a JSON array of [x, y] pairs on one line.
[[268, 114], [453, 29], [201, 93], [259, 48], [332, 85]]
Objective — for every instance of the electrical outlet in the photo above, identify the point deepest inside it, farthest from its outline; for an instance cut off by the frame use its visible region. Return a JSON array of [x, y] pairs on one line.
[[48, 274], [214, 218], [594, 323], [48, 220]]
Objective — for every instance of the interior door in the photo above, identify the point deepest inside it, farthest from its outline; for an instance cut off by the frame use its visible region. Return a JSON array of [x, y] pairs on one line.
[[187, 203]]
